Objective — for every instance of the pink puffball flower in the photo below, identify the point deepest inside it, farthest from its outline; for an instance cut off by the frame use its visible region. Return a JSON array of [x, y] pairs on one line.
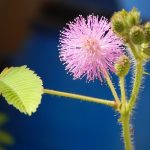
[[89, 47]]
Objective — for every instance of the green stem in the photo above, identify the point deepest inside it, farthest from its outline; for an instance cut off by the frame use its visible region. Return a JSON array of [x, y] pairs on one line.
[[136, 84], [126, 131], [128, 107], [134, 51], [112, 88], [80, 97], [123, 92]]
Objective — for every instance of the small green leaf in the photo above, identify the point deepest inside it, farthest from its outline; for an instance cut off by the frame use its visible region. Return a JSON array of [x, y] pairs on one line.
[[6, 138], [3, 118], [21, 88]]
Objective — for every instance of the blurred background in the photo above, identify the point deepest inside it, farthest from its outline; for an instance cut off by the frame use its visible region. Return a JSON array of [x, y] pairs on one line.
[[29, 35]]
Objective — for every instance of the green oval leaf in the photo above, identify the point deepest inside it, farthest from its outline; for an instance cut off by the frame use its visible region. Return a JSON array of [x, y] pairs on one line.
[[21, 88]]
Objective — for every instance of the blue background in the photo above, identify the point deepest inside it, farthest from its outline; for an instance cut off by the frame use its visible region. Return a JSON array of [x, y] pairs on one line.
[[64, 124]]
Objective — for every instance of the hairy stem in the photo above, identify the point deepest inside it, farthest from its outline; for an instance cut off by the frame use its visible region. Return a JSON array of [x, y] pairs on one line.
[[112, 88], [126, 131], [127, 108], [134, 50], [122, 88], [136, 84], [80, 97]]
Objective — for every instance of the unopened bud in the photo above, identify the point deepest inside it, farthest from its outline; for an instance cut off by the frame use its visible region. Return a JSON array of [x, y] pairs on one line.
[[122, 66], [133, 17], [147, 32], [137, 35], [119, 22]]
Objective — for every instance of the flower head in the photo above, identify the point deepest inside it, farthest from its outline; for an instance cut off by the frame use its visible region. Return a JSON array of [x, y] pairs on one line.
[[89, 47]]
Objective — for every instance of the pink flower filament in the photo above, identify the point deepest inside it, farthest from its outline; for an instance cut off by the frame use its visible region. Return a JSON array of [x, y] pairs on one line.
[[89, 47]]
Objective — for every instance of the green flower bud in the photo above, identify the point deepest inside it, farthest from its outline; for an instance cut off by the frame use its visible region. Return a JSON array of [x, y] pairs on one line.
[[137, 35], [147, 32], [133, 17], [118, 22], [122, 66]]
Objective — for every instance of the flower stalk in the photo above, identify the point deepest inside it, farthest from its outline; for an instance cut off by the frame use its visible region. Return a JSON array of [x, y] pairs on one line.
[[123, 91], [112, 88], [136, 85]]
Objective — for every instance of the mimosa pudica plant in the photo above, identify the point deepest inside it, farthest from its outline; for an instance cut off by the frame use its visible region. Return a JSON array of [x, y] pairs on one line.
[[92, 48]]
